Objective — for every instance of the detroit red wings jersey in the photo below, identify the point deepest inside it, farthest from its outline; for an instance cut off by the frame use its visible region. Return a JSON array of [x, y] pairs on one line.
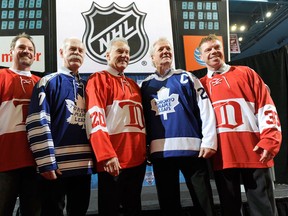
[[246, 116], [15, 94], [114, 119]]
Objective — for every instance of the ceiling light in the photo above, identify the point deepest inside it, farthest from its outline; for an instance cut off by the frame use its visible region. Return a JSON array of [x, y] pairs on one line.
[[233, 28], [242, 28], [268, 14], [240, 39]]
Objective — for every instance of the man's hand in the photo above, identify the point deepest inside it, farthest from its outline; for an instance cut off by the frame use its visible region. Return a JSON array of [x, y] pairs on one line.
[[112, 166], [51, 175], [265, 155], [206, 152]]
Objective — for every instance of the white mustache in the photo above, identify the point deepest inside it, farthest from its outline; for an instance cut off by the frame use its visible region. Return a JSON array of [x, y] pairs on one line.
[[76, 57]]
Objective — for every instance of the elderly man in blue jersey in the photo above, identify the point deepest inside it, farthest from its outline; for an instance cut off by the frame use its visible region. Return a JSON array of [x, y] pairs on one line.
[[181, 132], [57, 135]]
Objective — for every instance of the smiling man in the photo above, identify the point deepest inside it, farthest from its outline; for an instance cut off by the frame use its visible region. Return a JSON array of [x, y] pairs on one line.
[[18, 176], [249, 132], [181, 132], [116, 129], [57, 135]]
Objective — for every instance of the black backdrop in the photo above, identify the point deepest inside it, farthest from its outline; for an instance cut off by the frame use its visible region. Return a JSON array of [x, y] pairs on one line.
[[273, 68]]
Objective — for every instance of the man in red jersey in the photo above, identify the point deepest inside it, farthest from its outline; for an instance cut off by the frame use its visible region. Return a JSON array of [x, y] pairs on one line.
[[18, 176], [249, 132], [116, 129]]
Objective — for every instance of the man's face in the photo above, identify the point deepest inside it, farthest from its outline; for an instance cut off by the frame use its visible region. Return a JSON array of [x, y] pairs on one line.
[[163, 55], [73, 54], [212, 54], [119, 56], [23, 54]]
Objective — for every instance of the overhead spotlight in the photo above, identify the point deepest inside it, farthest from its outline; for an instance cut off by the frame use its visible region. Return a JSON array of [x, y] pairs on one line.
[[242, 28], [233, 28], [268, 14], [240, 39]]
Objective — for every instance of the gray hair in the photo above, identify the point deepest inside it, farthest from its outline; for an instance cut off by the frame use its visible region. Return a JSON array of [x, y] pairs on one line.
[[114, 40], [67, 40], [162, 39]]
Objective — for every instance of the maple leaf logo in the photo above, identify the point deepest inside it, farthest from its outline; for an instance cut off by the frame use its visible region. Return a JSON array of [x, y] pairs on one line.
[[77, 111], [165, 103]]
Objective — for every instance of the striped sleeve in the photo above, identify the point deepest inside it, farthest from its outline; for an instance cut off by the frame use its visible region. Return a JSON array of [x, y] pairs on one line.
[[38, 125]]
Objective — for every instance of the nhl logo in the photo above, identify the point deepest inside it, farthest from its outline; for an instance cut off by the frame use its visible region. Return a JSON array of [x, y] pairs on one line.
[[149, 177], [105, 23]]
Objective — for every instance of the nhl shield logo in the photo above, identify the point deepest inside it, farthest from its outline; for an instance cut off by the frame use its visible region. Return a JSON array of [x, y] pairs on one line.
[[105, 23], [149, 177]]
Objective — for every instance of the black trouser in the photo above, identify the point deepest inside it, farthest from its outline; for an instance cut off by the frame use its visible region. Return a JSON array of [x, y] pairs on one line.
[[23, 183], [77, 191], [259, 191], [195, 172], [123, 190]]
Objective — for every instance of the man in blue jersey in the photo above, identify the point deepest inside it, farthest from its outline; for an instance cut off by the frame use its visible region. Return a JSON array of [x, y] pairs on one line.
[[181, 132], [57, 135]]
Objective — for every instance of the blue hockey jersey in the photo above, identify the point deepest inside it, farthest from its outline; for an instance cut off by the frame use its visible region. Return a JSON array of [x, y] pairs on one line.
[[178, 114], [56, 125]]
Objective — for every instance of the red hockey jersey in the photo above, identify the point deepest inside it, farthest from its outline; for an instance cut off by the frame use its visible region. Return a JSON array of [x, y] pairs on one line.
[[114, 120], [246, 116], [15, 93]]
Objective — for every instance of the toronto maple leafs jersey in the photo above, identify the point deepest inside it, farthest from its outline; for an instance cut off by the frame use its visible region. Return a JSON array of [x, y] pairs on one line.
[[15, 93], [178, 114], [245, 117], [56, 125], [115, 121]]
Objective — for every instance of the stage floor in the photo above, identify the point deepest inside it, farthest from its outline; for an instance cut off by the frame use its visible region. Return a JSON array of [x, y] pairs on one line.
[[150, 204]]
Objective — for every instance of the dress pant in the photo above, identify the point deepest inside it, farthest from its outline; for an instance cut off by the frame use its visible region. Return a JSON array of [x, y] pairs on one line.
[[196, 174], [258, 187], [122, 193], [23, 183], [75, 190]]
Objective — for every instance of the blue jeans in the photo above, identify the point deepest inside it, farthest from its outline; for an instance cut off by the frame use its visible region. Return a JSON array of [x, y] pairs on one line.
[[22, 183]]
